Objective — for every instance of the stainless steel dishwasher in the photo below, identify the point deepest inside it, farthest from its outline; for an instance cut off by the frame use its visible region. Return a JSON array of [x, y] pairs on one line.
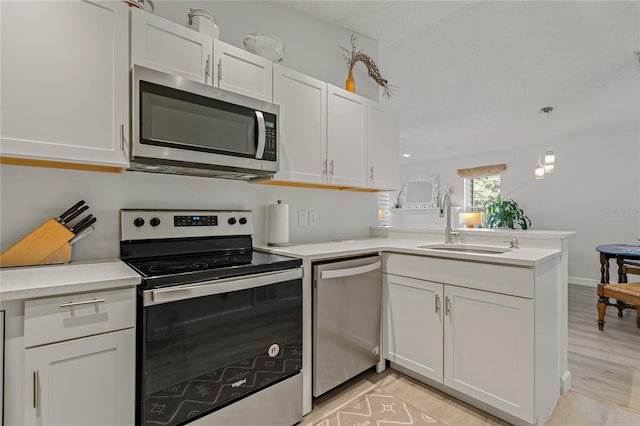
[[347, 296]]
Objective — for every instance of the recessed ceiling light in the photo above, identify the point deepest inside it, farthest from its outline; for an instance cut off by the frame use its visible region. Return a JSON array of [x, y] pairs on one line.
[[406, 155]]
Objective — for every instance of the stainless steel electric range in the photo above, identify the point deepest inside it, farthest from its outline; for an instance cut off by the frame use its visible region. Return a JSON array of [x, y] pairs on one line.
[[219, 331]]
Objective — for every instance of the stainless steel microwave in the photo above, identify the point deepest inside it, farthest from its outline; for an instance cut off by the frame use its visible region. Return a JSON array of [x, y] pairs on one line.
[[180, 126]]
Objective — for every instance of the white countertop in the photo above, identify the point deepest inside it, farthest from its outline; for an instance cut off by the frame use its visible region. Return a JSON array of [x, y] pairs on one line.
[[37, 281], [316, 251]]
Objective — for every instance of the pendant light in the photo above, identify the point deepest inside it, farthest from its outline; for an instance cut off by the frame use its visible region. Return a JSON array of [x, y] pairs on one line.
[[549, 157], [539, 172]]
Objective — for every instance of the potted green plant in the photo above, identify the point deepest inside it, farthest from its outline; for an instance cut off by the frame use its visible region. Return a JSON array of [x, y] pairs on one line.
[[501, 213]]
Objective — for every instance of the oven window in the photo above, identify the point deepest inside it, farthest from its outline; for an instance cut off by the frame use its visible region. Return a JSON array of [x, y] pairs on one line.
[[204, 353], [173, 118]]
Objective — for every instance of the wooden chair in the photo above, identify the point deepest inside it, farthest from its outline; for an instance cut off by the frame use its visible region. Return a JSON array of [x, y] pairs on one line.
[[627, 296]]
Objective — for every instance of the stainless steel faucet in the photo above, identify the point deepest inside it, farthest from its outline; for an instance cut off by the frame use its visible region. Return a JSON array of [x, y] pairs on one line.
[[513, 243], [445, 202]]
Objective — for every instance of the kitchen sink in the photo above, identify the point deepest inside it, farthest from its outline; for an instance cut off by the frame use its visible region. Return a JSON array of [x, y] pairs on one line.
[[466, 248]]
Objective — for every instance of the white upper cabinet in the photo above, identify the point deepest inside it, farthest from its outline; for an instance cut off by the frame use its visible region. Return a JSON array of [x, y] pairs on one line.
[[346, 138], [242, 72], [329, 136], [383, 149], [169, 47], [65, 85], [302, 125]]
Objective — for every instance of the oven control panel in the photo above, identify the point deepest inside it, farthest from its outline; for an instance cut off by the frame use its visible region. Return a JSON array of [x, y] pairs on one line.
[[147, 224]]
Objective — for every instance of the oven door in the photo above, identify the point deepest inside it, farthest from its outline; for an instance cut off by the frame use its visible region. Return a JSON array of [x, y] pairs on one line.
[[206, 345], [179, 120]]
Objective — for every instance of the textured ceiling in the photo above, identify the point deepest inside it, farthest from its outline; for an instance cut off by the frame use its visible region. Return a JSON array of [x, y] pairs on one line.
[[472, 76]]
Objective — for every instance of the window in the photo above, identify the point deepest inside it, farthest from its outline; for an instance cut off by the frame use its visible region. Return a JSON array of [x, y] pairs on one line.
[[383, 208], [479, 190]]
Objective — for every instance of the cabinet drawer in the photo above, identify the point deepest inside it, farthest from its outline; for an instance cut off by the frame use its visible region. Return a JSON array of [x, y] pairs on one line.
[[511, 280], [71, 316]]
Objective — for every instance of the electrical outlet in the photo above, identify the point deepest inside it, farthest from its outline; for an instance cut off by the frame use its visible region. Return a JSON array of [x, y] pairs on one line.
[[303, 218], [313, 218]]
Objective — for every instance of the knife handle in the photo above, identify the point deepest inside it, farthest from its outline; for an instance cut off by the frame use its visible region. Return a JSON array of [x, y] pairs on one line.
[[86, 225], [74, 214], [77, 226], [71, 210]]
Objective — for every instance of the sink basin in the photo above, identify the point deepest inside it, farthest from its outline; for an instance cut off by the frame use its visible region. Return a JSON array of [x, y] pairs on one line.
[[466, 248]]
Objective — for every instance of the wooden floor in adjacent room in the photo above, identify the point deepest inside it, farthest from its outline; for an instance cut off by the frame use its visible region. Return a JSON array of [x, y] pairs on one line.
[[605, 368]]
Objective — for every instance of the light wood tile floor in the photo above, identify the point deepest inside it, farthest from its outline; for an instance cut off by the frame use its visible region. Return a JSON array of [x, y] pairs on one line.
[[602, 394]]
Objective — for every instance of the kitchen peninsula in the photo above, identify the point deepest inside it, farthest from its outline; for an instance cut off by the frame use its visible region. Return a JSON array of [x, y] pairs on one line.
[[534, 276]]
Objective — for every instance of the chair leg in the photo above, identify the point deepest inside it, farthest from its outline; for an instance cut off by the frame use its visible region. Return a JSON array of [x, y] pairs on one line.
[[637, 316], [602, 308], [621, 306]]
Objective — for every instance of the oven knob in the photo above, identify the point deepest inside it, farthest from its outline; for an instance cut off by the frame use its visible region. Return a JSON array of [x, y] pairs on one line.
[[232, 221], [138, 222], [154, 221], [243, 221]]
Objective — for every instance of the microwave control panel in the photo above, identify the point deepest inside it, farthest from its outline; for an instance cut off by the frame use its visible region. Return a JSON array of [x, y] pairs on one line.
[[270, 140]]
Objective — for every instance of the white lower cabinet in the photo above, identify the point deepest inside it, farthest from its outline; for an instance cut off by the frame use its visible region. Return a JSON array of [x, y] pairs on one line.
[[414, 305], [79, 359], [488, 348], [86, 381], [476, 342]]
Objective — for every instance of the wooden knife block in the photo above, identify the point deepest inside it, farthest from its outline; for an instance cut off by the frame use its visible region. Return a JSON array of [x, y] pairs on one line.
[[48, 244]]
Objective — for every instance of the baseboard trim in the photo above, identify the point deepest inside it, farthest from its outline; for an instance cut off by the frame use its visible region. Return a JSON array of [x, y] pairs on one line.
[[583, 281]]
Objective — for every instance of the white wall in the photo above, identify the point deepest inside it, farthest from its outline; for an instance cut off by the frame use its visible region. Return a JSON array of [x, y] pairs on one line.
[[29, 196], [593, 191], [311, 46]]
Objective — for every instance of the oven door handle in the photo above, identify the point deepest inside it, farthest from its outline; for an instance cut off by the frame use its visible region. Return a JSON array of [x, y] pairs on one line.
[[208, 288]]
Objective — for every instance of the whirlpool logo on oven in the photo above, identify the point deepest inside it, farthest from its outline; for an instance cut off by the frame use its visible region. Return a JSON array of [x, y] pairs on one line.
[[238, 383]]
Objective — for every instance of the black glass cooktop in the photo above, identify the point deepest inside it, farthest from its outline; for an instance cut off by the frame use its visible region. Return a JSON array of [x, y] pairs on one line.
[[169, 271]]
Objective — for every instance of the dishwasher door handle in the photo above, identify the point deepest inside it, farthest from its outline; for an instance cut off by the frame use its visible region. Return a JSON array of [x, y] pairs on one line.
[[348, 272]]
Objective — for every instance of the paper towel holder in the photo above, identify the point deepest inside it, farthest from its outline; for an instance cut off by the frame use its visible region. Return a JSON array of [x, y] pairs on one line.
[[279, 237]]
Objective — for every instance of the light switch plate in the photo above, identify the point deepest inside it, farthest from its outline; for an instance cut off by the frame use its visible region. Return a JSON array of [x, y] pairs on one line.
[[303, 218], [313, 218]]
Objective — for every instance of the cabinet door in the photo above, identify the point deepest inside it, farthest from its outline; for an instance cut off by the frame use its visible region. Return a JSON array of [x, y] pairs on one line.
[[489, 348], [346, 138], [302, 125], [384, 147], [413, 325], [88, 381], [242, 72], [65, 85], [169, 47]]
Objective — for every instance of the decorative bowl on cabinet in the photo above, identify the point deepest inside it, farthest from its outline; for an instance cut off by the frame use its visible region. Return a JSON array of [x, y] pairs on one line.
[[266, 45]]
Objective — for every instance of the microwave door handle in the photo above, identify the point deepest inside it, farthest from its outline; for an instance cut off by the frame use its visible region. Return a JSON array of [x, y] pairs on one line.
[[262, 130]]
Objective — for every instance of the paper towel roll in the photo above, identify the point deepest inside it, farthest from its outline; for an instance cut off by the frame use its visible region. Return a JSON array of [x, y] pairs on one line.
[[278, 224]]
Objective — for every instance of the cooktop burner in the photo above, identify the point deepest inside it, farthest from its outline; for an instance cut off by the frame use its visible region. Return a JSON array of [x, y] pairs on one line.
[[166, 271], [173, 247], [166, 266]]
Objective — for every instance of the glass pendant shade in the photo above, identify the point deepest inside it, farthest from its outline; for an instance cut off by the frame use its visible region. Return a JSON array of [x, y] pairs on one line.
[[549, 158], [548, 168], [539, 171]]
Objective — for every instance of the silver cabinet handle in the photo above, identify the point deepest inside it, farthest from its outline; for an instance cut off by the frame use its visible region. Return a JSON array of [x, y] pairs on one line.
[[83, 302], [36, 382], [437, 303], [371, 172], [447, 303], [262, 131], [207, 70], [122, 136], [219, 70], [331, 167], [324, 167]]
